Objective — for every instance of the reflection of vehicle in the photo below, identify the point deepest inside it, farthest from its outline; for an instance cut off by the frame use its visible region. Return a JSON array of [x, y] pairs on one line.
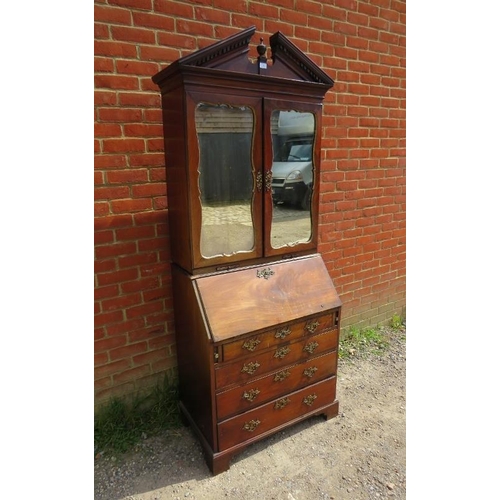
[[292, 173], [292, 163]]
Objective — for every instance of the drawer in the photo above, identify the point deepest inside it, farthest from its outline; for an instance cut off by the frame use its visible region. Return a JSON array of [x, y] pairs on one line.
[[270, 338], [289, 379], [268, 416], [280, 356]]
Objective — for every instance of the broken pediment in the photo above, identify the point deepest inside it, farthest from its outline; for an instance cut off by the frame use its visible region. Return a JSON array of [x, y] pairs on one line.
[[234, 54]]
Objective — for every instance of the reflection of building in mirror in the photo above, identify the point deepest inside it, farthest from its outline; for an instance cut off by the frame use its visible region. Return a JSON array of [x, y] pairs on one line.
[[225, 178], [292, 180]]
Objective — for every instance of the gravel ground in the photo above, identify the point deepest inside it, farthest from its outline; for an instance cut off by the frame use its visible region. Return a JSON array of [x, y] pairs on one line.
[[361, 454]]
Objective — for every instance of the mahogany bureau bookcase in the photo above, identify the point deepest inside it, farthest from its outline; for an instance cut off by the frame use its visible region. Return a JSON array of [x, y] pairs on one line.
[[257, 317]]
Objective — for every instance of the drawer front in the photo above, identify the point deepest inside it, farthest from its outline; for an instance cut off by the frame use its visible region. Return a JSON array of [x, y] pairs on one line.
[[270, 338], [227, 374], [289, 379], [268, 416]]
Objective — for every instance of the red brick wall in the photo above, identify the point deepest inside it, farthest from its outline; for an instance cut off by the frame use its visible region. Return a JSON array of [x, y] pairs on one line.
[[360, 44]]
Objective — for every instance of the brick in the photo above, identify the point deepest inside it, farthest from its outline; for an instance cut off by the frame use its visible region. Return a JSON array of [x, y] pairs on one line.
[[113, 15], [127, 206], [135, 233], [193, 28], [117, 276], [138, 260], [262, 10], [177, 40], [150, 160], [151, 189], [106, 130], [101, 209], [105, 291], [103, 65], [114, 49], [133, 4], [105, 318], [101, 31], [136, 67], [144, 99], [137, 35], [120, 303], [156, 21], [127, 351], [104, 97], [143, 130], [127, 176], [112, 368], [207, 14], [132, 374], [176, 9], [120, 115], [123, 145], [102, 266], [116, 82], [161, 54], [107, 193]]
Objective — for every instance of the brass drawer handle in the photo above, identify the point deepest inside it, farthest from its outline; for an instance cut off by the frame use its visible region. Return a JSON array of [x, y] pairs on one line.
[[250, 368], [309, 372], [309, 400], [250, 345], [281, 403], [281, 334], [251, 426], [251, 394], [311, 347], [311, 327], [281, 352], [282, 375]]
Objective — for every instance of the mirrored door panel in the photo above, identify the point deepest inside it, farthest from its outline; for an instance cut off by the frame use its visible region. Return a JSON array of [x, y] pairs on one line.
[[292, 148], [293, 135], [227, 164]]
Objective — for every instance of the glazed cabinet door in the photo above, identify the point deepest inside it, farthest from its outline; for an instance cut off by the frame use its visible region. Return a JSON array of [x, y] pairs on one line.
[[225, 175], [292, 155]]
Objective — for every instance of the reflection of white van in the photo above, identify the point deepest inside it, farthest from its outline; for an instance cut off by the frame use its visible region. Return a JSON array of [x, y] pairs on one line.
[[292, 162]]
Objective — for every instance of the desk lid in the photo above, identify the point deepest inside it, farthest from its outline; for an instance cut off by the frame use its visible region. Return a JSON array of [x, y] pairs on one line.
[[259, 297]]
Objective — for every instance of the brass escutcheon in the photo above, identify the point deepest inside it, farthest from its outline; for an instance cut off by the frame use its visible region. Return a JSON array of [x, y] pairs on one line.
[[310, 347], [250, 368], [281, 352], [311, 327], [309, 400], [269, 180], [251, 394], [281, 403], [251, 344], [281, 334], [282, 375], [259, 181], [309, 372], [251, 426], [265, 273]]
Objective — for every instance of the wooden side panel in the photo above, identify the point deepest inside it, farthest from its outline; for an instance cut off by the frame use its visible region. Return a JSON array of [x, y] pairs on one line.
[[260, 297], [177, 180], [194, 356]]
